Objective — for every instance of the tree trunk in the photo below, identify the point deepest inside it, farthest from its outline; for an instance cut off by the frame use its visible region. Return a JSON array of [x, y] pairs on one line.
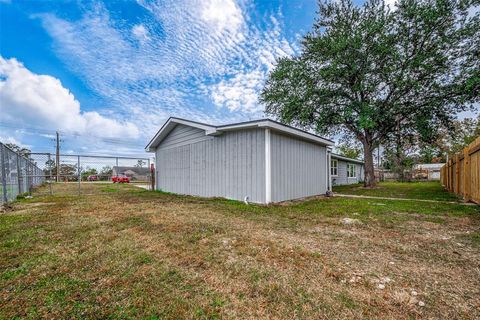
[[369, 169]]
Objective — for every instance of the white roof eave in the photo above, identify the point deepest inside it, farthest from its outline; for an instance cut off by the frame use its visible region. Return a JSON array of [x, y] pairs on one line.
[[213, 131], [346, 159], [277, 127]]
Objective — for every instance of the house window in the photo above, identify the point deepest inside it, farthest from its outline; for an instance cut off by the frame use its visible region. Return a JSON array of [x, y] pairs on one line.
[[351, 170], [334, 167]]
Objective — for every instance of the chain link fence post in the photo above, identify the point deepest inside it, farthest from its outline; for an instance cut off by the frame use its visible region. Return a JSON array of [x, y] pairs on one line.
[[50, 173], [29, 176], [19, 182], [79, 174], [4, 175], [149, 175], [25, 177], [116, 173]]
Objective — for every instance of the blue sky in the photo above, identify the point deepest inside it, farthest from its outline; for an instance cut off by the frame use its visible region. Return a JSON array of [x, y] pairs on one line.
[[118, 69], [108, 74]]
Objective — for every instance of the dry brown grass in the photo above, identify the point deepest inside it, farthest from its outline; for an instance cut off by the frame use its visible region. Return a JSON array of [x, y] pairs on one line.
[[139, 254]]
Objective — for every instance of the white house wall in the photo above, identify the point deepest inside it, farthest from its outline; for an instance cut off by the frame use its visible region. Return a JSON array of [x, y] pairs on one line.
[[231, 165], [298, 168], [342, 179]]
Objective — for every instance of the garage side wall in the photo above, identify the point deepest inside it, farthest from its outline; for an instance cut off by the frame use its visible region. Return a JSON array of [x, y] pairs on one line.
[[298, 168], [231, 165]]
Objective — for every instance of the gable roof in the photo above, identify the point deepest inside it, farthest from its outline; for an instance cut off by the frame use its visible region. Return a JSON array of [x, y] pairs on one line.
[[343, 158], [211, 130], [137, 170]]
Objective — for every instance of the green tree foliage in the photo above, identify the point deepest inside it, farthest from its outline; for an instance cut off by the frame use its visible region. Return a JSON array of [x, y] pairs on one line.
[[25, 152], [88, 172], [105, 173], [350, 149], [50, 169], [140, 163], [464, 132], [377, 73], [450, 140], [429, 154], [67, 171]]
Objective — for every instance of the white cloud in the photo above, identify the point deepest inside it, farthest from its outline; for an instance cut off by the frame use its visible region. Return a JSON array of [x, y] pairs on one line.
[[13, 140], [41, 100], [140, 32], [211, 51], [239, 92], [391, 4], [474, 9], [223, 15]]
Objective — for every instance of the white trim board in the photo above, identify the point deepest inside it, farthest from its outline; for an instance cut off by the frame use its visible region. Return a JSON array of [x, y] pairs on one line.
[[268, 166]]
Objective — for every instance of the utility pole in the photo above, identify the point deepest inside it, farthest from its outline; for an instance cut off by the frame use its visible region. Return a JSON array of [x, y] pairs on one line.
[[57, 157]]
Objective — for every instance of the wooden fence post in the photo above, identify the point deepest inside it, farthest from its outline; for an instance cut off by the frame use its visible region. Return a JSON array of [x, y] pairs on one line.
[[450, 176], [456, 188], [466, 173]]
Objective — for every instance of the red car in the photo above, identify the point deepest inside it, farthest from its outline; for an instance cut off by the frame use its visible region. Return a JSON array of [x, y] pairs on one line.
[[120, 179]]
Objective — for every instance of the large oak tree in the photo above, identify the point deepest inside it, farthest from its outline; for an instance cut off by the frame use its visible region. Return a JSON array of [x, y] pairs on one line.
[[374, 72]]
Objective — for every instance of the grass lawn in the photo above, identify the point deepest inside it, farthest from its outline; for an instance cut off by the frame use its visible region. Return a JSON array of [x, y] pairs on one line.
[[428, 190], [151, 255]]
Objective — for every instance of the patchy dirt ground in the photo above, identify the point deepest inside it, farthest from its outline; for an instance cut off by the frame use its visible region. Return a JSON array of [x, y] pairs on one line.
[[140, 254]]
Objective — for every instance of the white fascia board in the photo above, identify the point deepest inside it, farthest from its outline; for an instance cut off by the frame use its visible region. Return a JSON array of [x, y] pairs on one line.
[[202, 126], [295, 132], [277, 127], [246, 125], [342, 158]]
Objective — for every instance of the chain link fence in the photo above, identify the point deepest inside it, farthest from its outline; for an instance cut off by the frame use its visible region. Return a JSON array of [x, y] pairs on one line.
[[18, 174], [39, 174]]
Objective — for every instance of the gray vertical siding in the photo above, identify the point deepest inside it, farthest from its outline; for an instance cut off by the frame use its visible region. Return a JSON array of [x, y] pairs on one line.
[[182, 135], [342, 179], [231, 165], [298, 168]]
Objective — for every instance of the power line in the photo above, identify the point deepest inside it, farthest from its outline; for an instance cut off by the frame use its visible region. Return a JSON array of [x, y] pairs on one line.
[[76, 134], [36, 130]]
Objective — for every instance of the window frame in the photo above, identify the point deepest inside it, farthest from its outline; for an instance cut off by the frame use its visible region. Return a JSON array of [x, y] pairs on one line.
[[351, 169], [334, 167]]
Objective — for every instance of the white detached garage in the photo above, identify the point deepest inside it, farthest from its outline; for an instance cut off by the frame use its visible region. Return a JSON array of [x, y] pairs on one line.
[[263, 161]]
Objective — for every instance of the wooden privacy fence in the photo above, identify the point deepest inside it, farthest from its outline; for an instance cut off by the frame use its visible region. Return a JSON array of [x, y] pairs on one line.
[[461, 174]]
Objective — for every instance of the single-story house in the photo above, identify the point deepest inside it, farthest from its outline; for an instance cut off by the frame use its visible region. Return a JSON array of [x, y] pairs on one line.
[[345, 170], [260, 161], [134, 173]]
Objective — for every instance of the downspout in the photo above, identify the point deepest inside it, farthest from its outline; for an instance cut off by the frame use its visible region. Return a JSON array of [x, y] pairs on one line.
[[329, 170]]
